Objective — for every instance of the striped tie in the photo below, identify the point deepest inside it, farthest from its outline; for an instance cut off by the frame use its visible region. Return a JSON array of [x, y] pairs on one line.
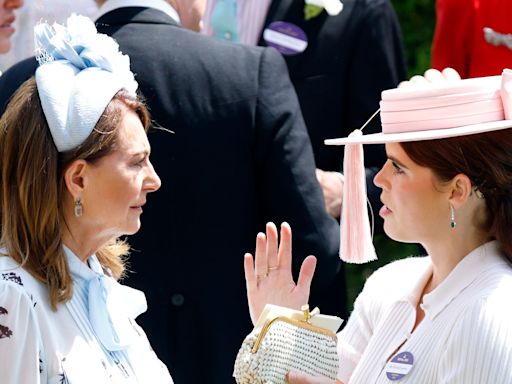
[[223, 20]]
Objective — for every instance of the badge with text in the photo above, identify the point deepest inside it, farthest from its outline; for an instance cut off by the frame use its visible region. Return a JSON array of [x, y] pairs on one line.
[[287, 38], [399, 366]]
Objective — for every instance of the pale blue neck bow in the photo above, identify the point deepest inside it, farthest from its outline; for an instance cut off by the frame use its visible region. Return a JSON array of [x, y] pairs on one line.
[[223, 20], [111, 307]]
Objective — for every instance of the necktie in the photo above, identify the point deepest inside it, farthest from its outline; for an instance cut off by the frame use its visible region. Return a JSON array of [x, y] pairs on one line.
[[223, 20]]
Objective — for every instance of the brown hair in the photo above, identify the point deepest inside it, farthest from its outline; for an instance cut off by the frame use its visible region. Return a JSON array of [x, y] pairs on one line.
[[486, 159], [32, 187]]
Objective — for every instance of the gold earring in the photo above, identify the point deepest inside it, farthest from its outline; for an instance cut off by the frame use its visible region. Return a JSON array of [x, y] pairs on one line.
[[79, 210]]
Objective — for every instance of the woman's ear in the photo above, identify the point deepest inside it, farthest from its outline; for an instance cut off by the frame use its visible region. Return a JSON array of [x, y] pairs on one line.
[[74, 177], [461, 190]]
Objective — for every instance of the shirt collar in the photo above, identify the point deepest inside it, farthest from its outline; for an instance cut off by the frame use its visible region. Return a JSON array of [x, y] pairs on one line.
[[81, 270], [161, 5], [465, 272], [110, 306], [413, 296]]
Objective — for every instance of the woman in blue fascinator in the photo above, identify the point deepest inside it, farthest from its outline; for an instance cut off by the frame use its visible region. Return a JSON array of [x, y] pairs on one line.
[[74, 177]]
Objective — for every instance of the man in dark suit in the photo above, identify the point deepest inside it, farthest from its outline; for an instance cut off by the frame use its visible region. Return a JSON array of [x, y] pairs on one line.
[[350, 58], [239, 156]]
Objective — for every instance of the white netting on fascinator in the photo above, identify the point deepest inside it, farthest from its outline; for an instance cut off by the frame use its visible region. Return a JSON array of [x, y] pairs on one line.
[[80, 71]]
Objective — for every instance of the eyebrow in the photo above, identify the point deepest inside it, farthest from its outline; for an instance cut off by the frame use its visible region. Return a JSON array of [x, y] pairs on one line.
[[145, 152], [394, 159]]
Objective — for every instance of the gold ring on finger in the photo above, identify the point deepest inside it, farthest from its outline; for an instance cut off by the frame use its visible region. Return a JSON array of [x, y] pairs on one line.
[[261, 277]]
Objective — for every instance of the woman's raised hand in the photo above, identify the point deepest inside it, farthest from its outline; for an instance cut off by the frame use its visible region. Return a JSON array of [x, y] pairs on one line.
[[269, 275]]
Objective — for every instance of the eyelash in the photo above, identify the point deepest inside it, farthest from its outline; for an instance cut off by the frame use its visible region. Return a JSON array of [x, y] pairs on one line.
[[396, 169]]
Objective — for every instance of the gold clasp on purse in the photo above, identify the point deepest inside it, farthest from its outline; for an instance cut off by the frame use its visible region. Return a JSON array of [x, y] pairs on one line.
[[309, 315], [301, 323]]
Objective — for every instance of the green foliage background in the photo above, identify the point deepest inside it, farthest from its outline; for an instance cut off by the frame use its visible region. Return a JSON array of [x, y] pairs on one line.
[[417, 19]]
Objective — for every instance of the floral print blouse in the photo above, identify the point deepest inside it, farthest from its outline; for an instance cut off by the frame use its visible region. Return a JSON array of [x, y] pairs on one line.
[[39, 345]]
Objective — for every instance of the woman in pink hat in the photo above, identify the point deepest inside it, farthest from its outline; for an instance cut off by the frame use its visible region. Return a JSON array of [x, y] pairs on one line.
[[447, 184]]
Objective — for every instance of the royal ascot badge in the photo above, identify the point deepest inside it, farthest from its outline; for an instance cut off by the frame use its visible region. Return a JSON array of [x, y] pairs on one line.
[[313, 8], [399, 366], [287, 38]]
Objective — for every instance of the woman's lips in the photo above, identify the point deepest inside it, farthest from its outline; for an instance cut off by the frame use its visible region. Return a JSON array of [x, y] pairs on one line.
[[7, 29], [7, 25], [384, 211]]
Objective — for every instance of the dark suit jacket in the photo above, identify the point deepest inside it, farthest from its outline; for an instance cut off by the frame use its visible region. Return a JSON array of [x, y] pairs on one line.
[[240, 156], [350, 59]]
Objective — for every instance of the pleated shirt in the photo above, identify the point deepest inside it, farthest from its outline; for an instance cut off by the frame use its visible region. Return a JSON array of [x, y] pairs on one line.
[[465, 337]]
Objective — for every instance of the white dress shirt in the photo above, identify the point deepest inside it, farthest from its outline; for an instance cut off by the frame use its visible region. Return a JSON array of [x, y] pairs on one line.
[[161, 5]]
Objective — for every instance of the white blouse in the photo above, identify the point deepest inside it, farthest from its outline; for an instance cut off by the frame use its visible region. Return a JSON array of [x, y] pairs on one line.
[[465, 337], [90, 339]]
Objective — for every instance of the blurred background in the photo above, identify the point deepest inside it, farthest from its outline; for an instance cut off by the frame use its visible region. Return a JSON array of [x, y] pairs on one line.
[[417, 19]]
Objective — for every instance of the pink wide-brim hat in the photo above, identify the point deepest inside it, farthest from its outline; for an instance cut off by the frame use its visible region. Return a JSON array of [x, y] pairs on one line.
[[425, 111], [441, 110]]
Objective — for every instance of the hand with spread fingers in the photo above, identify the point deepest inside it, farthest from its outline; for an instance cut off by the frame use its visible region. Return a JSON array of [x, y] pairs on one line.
[[269, 275]]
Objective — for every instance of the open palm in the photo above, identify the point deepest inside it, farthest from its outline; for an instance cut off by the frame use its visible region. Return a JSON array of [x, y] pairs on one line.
[[269, 276]]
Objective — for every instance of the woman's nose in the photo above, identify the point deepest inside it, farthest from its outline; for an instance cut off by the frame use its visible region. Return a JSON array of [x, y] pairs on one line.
[[378, 179], [13, 4], [153, 181]]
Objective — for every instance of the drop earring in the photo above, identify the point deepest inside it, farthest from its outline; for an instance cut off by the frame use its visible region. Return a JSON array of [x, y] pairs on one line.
[[78, 207], [453, 223]]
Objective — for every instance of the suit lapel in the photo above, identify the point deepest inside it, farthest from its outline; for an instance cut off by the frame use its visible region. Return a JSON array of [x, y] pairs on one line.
[[281, 10], [292, 11]]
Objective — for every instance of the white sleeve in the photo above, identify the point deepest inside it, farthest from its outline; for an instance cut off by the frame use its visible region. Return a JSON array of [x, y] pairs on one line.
[[19, 337], [354, 338], [382, 290], [480, 347]]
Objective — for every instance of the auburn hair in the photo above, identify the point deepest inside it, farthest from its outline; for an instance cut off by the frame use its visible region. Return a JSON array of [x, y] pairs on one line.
[[32, 187], [486, 158]]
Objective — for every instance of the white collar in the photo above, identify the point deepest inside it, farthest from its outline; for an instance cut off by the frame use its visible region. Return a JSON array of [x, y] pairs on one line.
[[161, 5], [465, 272], [110, 305]]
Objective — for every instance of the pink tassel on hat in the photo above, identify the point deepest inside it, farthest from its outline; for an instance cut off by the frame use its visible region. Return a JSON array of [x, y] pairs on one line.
[[356, 244]]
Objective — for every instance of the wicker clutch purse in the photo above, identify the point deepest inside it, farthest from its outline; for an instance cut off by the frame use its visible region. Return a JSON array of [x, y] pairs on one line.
[[285, 340]]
